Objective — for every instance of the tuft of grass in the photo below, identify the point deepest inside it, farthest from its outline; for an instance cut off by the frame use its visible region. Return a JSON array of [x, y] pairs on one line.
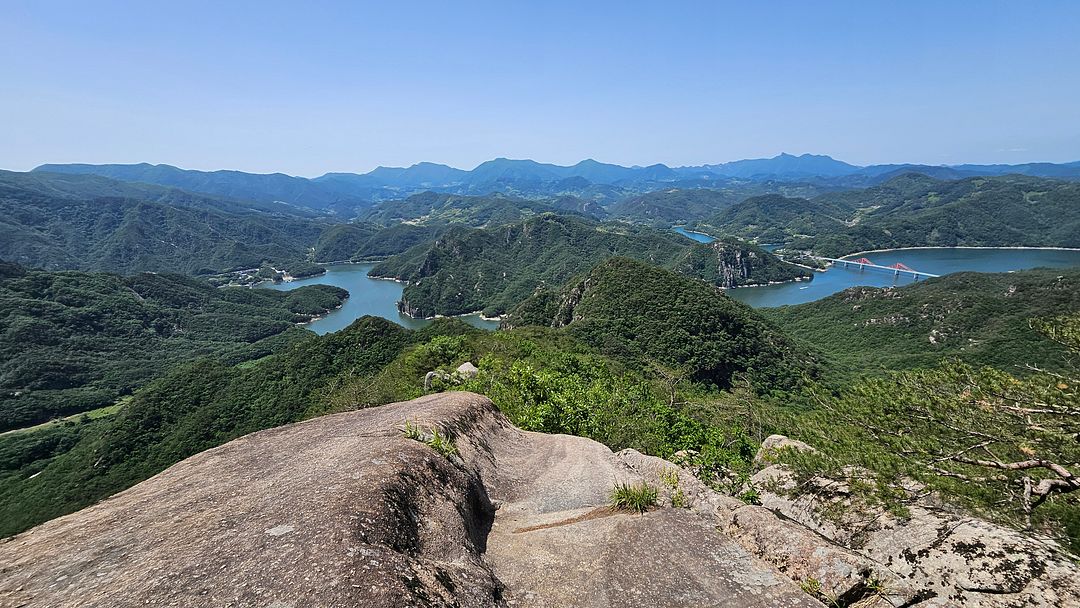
[[813, 587], [877, 585], [442, 444], [750, 496], [670, 477], [636, 498], [413, 431], [437, 441]]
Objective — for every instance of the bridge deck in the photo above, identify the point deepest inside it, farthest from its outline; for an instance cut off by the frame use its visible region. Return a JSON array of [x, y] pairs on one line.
[[864, 263]]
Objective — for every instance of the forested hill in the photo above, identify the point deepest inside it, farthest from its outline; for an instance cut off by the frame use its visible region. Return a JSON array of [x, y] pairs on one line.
[[983, 319], [494, 269], [692, 204], [773, 218], [90, 223], [73, 341], [432, 208], [630, 309], [914, 210]]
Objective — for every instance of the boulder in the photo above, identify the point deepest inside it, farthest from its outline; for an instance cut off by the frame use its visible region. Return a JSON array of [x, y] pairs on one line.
[[467, 370], [966, 561], [774, 444], [432, 376]]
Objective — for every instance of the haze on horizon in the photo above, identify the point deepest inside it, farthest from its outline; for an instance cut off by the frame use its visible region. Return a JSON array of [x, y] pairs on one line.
[[338, 86]]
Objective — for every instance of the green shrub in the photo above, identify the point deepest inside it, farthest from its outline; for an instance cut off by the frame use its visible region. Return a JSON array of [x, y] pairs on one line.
[[670, 477]]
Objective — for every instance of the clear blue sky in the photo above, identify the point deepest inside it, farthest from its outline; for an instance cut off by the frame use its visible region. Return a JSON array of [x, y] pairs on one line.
[[310, 87]]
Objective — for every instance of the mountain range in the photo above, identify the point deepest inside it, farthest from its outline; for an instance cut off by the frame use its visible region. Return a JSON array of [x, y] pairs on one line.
[[589, 179]]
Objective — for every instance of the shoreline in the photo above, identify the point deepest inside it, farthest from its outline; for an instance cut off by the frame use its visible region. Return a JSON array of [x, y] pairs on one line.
[[752, 285], [323, 315], [350, 262], [1018, 247], [476, 313]]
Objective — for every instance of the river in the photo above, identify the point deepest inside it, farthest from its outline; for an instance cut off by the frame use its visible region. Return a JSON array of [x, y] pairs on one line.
[[379, 297]]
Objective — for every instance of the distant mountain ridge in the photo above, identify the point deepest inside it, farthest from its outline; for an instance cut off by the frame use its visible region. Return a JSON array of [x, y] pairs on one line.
[[589, 179]]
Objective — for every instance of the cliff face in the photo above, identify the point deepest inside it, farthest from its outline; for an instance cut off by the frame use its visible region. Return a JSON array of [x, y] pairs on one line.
[[346, 510], [731, 263]]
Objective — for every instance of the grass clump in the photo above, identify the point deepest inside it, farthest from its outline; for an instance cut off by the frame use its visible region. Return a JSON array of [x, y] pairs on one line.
[[412, 431], [437, 441], [670, 477], [442, 444], [636, 498]]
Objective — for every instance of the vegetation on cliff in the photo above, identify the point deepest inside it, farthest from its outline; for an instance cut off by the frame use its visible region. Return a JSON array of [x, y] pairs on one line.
[[729, 262], [1002, 446]]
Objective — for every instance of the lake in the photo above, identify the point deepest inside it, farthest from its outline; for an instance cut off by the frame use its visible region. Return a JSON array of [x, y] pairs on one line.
[[367, 296], [934, 261], [939, 261]]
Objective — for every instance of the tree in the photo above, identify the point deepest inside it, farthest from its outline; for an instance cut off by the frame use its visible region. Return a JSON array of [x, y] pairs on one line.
[[1002, 444]]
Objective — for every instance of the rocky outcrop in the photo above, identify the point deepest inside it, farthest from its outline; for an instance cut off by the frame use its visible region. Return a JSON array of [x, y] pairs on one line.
[[369, 509], [941, 557], [731, 263], [345, 510]]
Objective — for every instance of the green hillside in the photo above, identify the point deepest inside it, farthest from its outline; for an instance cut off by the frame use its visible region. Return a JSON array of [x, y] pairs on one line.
[[72, 341], [778, 219], [914, 210], [630, 309], [492, 270], [983, 319], [681, 205], [91, 223], [432, 208]]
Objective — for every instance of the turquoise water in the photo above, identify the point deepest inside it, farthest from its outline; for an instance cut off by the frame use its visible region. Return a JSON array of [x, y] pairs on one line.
[[934, 261], [367, 296]]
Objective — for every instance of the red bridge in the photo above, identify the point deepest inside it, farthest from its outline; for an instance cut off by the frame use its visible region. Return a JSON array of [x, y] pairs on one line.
[[896, 268]]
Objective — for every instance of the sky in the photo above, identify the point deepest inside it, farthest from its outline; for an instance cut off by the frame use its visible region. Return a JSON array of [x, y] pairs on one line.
[[311, 87]]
